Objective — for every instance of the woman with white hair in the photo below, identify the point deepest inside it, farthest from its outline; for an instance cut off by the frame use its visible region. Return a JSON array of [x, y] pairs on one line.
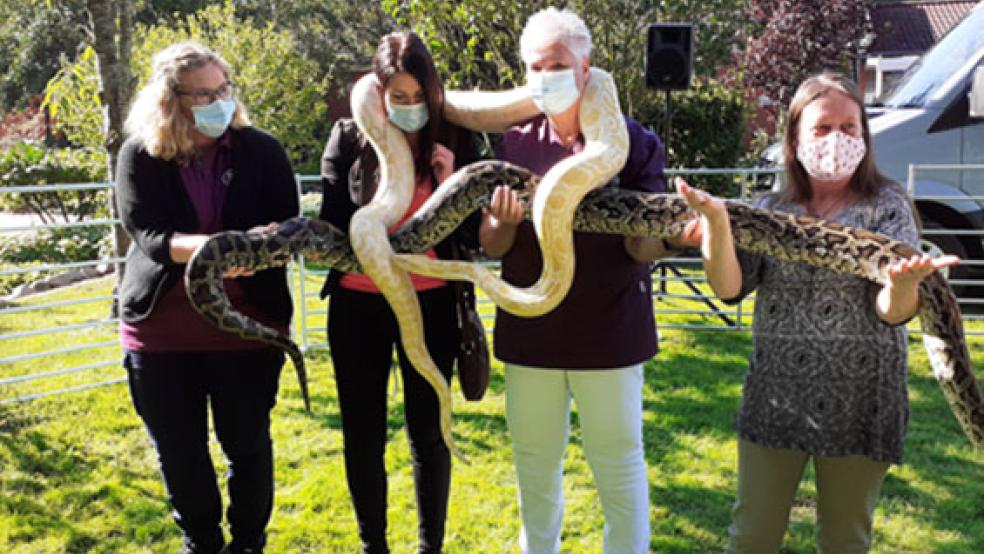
[[192, 166], [593, 345]]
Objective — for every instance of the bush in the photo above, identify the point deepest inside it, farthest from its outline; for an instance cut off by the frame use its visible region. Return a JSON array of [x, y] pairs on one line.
[[50, 246], [707, 130], [29, 164], [311, 203], [19, 125], [9, 282]]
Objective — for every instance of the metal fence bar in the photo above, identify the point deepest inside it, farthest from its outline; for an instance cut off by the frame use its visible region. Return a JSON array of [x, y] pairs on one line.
[[55, 373], [66, 265], [80, 388], [302, 285], [61, 187], [952, 232], [72, 224], [70, 350], [52, 330], [949, 197], [948, 167], [702, 327], [681, 279], [39, 307]]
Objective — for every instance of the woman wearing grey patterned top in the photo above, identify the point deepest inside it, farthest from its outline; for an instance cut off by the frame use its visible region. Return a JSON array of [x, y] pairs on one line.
[[827, 378]]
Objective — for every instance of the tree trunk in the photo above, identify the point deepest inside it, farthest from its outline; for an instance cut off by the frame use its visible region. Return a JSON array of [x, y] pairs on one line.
[[112, 27]]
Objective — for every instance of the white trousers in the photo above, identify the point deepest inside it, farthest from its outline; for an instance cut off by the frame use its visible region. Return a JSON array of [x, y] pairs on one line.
[[609, 405]]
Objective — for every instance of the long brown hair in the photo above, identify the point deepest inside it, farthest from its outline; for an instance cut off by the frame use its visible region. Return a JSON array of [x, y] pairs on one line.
[[867, 180], [404, 51]]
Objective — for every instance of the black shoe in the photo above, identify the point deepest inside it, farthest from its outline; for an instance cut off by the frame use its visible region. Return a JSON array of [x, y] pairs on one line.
[[251, 547]]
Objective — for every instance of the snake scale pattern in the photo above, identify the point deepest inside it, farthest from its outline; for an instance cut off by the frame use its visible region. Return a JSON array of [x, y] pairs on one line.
[[605, 210]]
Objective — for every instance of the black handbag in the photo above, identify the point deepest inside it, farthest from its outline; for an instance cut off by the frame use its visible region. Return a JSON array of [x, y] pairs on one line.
[[473, 353]]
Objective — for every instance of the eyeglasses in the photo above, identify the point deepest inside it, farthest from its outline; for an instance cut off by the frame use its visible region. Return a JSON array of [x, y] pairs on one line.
[[205, 96]]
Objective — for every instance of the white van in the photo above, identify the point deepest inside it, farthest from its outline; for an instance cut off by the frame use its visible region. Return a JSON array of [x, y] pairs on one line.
[[927, 119]]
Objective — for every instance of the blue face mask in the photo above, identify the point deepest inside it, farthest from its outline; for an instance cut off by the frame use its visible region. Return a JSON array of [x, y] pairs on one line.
[[410, 118], [213, 120], [553, 91]]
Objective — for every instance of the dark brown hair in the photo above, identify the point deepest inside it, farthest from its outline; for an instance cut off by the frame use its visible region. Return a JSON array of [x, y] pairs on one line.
[[404, 51], [867, 180]]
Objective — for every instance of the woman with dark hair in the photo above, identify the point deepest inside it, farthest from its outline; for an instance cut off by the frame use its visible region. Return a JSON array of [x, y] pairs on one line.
[[827, 378], [362, 330], [192, 166]]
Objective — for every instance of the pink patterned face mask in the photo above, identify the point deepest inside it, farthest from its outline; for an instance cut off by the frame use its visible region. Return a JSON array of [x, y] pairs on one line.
[[832, 157]]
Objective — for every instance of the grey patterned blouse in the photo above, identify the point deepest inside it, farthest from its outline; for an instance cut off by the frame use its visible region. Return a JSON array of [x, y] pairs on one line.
[[827, 375]]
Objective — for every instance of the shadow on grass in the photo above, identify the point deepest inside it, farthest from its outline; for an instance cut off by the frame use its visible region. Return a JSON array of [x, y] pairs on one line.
[[947, 491], [687, 394], [48, 484], [693, 515], [481, 425]]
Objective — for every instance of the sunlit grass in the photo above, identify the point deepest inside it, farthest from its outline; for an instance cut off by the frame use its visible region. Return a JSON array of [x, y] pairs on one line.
[[77, 472]]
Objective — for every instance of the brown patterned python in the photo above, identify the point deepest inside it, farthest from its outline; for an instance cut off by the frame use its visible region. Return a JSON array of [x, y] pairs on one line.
[[606, 210]]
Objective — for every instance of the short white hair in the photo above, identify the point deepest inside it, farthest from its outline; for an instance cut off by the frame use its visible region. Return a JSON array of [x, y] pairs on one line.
[[552, 24]]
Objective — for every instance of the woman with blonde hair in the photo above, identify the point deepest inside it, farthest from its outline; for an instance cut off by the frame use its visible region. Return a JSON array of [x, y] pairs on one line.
[[827, 378], [192, 166]]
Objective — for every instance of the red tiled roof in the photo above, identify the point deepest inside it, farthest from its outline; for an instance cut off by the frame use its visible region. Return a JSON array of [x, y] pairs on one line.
[[912, 27]]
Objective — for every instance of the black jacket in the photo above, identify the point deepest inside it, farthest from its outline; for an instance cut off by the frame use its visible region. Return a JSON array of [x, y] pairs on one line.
[[348, 181], [153, 205]]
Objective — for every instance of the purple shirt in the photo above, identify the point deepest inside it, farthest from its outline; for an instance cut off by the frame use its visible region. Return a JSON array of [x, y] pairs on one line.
[[174, 325], [606, 320]]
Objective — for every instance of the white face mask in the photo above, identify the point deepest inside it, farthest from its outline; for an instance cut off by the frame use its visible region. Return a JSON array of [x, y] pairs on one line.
[[832, 157], [411, 118], [213, 120], [553, 91]]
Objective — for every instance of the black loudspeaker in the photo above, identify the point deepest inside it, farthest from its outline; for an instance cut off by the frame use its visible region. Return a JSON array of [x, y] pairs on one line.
[[669, 56]]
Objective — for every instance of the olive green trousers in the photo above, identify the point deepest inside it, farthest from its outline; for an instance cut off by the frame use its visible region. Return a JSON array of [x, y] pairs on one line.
[[847, 489]]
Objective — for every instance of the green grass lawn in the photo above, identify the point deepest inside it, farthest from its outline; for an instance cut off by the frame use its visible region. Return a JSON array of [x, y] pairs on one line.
[[77, 472]]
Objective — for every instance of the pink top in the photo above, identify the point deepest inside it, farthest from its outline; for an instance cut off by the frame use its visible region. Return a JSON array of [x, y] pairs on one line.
[[357, 281]]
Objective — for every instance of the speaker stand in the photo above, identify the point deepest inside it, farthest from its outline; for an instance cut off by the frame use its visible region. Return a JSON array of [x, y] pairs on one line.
[[667, 122]]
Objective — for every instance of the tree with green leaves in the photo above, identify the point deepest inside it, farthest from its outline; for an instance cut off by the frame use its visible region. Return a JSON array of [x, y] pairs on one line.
[[340, 35], [475, 43], [282, 89], [34, 36]]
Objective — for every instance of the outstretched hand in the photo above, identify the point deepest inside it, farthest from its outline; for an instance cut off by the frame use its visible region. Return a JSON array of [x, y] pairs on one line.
[[710, 207], [909, 272], [706, 204]]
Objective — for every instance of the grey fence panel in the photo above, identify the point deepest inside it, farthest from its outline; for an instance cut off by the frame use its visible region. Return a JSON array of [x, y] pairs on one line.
[[680, 293], [67, 337]]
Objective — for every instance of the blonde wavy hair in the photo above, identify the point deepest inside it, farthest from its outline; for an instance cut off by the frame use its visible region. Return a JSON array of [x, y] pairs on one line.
[[155, 116]]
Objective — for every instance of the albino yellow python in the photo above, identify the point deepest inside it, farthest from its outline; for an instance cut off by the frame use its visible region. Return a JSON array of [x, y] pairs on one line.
[[606, 147], [480, 111]]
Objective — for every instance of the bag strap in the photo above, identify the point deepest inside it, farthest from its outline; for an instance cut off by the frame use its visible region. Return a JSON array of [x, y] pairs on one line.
[[463, 292]]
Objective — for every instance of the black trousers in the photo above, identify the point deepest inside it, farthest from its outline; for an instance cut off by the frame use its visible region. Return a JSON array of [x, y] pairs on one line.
[[171, 392], [362, 332]]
